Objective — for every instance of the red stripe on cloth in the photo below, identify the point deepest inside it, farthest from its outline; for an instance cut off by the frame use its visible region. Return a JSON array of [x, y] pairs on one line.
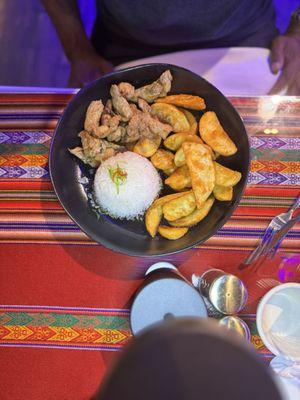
[[25, 184], [35, 98], [34, 204]]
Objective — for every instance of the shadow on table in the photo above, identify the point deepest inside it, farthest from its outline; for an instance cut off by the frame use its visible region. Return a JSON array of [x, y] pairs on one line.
[[101, 261]]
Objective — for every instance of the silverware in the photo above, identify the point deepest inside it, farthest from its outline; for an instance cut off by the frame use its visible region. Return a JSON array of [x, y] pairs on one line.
[[279, 236], [276, 225]]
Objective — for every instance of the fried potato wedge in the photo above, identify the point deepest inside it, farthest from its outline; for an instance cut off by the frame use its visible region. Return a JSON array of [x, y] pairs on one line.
[[163, 200], [173, 142], [169, 171], [147, 147], [171, 233], [153, 217], [184, 100], [223, 193], [179, 159], [202, 171], [179, 207], [163, 159], [154, 214], [192, 121], [212, 132], [171, 115], [180, 179], [196, 216], [226, 176]]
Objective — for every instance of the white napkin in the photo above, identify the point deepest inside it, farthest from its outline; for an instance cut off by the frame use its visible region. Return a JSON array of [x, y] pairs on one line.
[[287, 376]]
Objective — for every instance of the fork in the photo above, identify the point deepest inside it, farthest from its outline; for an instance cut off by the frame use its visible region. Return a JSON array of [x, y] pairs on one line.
[[274, 226]]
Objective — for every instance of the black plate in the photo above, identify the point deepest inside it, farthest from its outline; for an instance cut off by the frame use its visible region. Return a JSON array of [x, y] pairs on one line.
[[126, 236]]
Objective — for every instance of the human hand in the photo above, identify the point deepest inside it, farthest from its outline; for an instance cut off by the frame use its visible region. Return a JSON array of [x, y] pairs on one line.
[[285, 58], [87, 68]]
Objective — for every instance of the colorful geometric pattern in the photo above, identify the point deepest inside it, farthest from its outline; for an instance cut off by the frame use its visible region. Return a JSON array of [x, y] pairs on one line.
[[64, 327], [77, 328]]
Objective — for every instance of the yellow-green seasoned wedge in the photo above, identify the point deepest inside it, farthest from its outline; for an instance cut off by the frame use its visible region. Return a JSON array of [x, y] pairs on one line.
[[196, 216], [202, 171], [179, 159], [213, 134], [173, 142], [147, 147], [223, 193], [171, 233], [179, 207], [170, 114], [184, 100], [152, 219], [226, 176], [163, 159], [180, 179]]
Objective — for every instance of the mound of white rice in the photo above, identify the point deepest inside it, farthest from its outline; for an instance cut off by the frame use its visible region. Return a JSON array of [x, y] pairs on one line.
[[125, 185]]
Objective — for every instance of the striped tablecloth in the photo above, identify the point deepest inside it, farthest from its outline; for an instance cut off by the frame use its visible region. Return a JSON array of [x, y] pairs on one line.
[[62, 294]]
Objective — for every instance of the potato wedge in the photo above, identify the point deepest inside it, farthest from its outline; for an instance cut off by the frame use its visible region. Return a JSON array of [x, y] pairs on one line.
[[179, 159], [196, 216], [163, 159], [212, 132], [163, 200], [169, 171], [223, 193], [192, 121], [154, 213], [147, 147], [202, 171], [179, 207], [173, 142], [180, 179], [171, 233], [226, 176], [184, 100], [153, 217], [170, 114]]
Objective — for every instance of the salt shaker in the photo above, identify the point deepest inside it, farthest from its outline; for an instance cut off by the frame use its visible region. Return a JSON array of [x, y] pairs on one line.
[[236, 324], [226, 292]]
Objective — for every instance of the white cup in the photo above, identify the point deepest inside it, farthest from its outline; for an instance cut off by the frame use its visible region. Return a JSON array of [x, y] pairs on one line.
[[278, 320], [278, 324]]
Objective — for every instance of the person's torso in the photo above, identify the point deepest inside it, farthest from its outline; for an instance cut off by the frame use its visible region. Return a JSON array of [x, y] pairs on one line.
[[169, 23]]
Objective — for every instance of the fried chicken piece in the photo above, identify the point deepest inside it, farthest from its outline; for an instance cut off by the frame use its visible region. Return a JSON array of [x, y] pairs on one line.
[[157, 89], [143, 125], [166, 82], [151, 92], [93, 115], [120, 104], [78, 152], [144, 106], [159, 128], [94, 150], [108, 108], [117, 135], [133, 129], [109, 122], [134, 108], [100, 132], [126, 90]]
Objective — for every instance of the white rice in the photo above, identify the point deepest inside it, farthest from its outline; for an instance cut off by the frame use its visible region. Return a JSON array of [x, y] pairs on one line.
[[135, 194]]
